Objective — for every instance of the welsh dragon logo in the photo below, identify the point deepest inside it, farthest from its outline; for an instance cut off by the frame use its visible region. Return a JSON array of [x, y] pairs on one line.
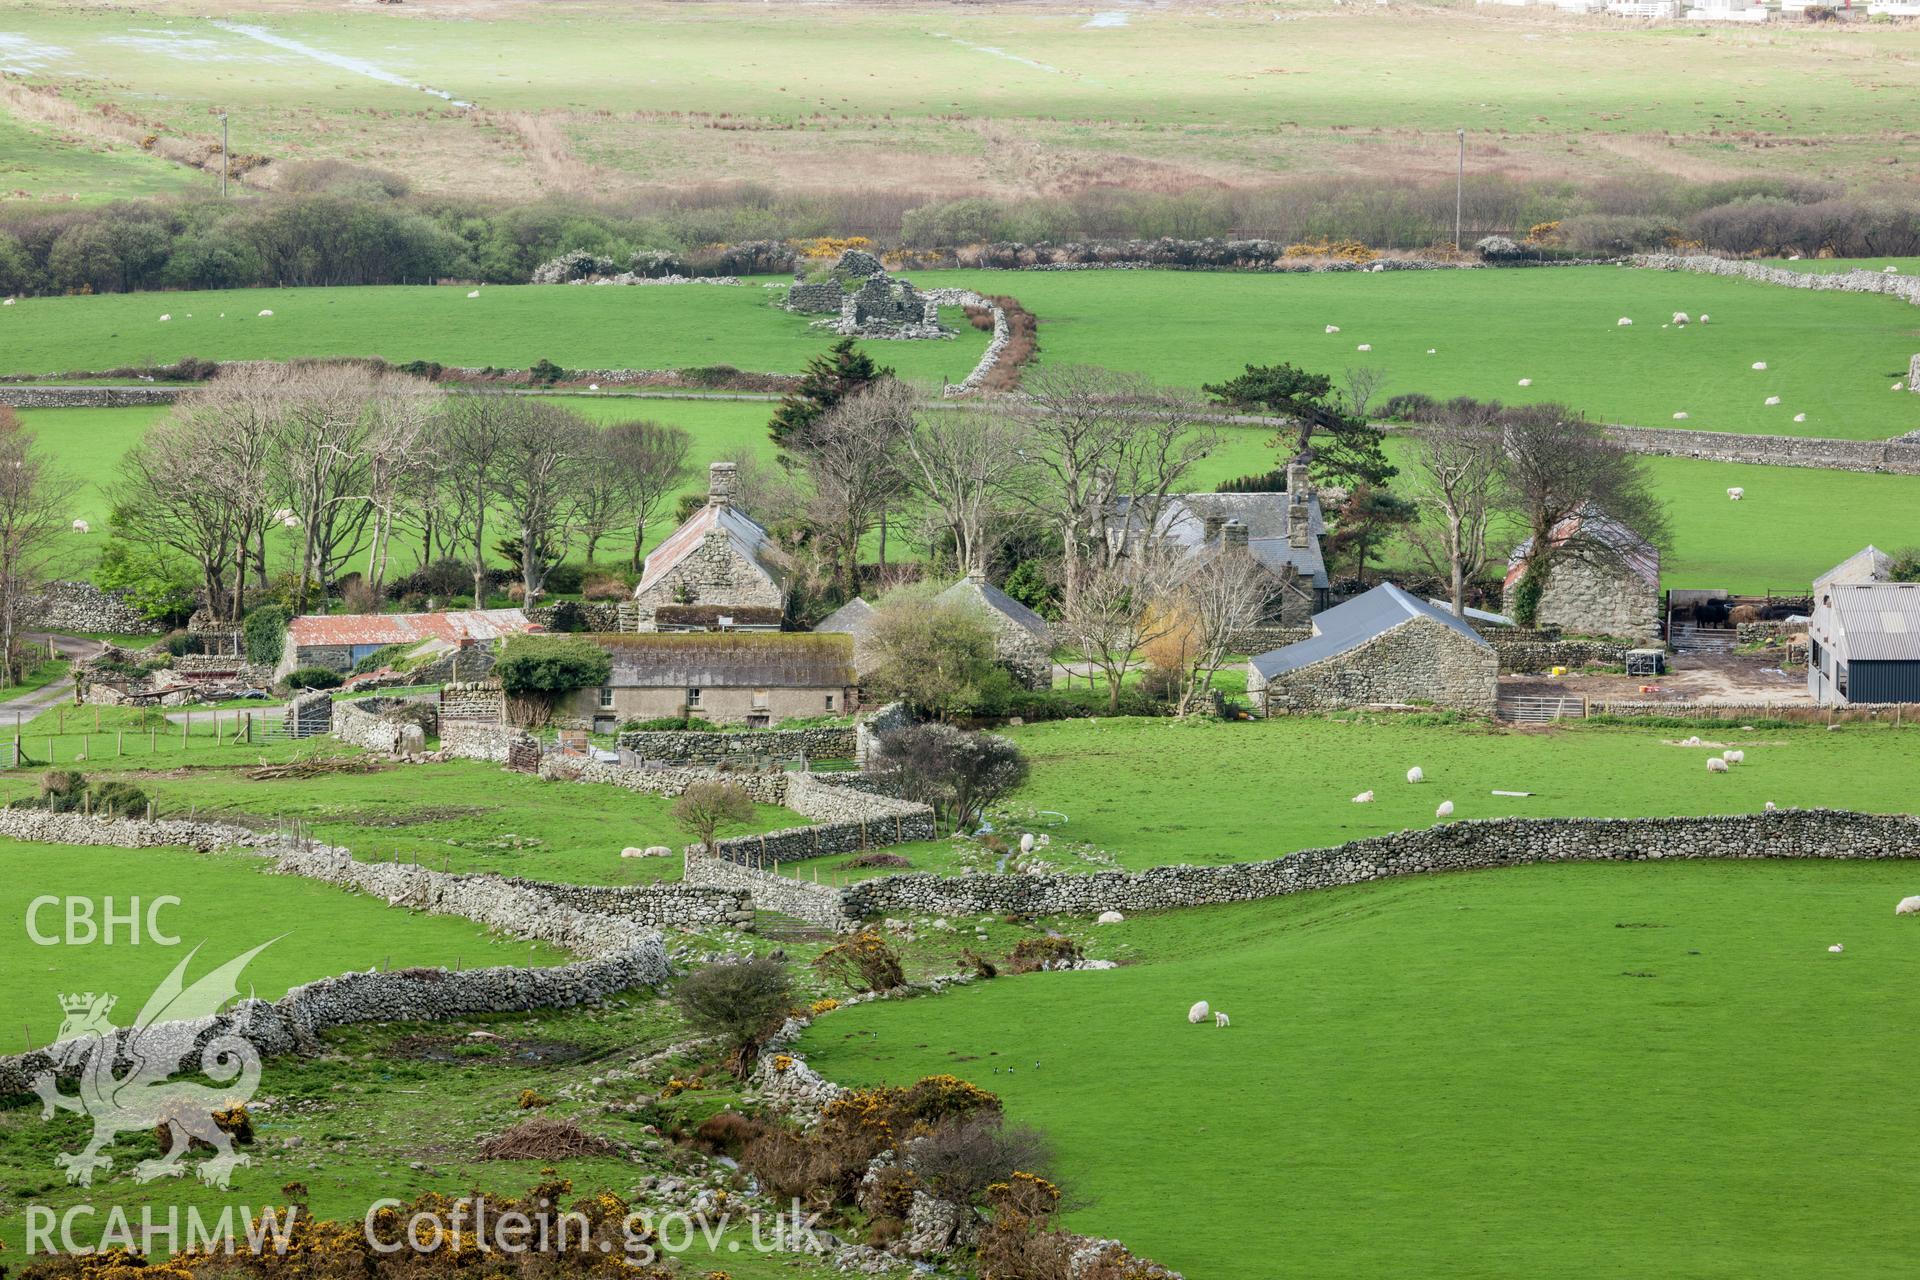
[[145, 1096]]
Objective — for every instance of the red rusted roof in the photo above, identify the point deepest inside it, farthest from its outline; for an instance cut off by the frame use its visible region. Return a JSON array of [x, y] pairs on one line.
[[407, 628]]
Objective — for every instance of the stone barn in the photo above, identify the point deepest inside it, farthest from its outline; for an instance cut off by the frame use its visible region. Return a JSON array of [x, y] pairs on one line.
[[1381, 648], [1605, 579], [738, 677], [720, 559], [1021, 639], [854, 619]]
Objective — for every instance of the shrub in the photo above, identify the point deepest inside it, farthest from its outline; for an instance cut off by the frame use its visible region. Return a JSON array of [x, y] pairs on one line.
[[705, 808], [1274, 481], [360, 596], [431, 370], [119, 798], [963, 1156], [62, 790], [265, 631], [958, 773], [866, 962], [544, 373], [1905, 566], [538, 670], [564, 580], [313, 678], [180, 643], [670, 723], [743, 1002], [1031, 955], [604, 590], [1409, 407]]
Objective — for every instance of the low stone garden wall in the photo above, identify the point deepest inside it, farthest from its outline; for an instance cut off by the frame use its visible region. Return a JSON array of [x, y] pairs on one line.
[[682, 747], [817, 904], [391, 725], [478, 702], [684, 906], [764, 788], [43, 827], [1525, 650], [35, 397], [1790, 712], [496, 743], [1761, 632], [1453, 846]]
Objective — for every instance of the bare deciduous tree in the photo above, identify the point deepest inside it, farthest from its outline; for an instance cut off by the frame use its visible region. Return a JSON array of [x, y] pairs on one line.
[[472, 438], [1220, 595], [852, 462], [35, 511], [1120, 609], [404, 412], [650, 462], [321, 463], [967, 469], [1457, 458], [166, 496], [544, 450]]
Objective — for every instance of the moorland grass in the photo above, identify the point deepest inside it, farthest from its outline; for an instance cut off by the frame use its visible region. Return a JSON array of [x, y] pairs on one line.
[[230, 903], [1539, 1070]]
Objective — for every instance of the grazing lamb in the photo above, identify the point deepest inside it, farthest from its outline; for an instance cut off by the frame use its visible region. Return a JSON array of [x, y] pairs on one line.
[[1365, 797], [164, 319], [1682, 319], [1836, 948], [1333, 328], [1704, 317], [1717, 765], [1433, 350], [9, 302], [1445, 810], [1222, 1020], [593, 386], [1415, 775], [1760, 366], [1198, 1014], [265, 314], [1771, 806], [1680, 417], [1908, 907], [1109, 917], [1623, 322], [474, 294], [1799, 417], [1734, 757], [1772, 400], [1526, 382], [81, 526], [1736, 493]]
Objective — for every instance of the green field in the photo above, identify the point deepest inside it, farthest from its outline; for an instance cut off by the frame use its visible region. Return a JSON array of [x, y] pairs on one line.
[[642, 327], [1157, 792], [229, 903], [1551, 1070], [579, 96], [43, 165]]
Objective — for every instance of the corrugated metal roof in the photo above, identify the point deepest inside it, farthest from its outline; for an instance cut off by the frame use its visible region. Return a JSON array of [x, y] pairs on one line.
[[985, 594], [730, 659], [406, 628], [748, 538], [1878, 621], [1350, 625], [1634, 551]]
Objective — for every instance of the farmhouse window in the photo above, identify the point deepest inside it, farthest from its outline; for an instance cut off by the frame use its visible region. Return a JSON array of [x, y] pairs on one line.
[[829, 702], [759, 699], [606, 695], [693, 697]]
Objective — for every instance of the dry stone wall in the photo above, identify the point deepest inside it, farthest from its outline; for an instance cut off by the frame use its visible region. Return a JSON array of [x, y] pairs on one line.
[[1453, 846], [764, 788], [497, 743], [682, 747], [44, 827], [81, 606], [478, 702], [816, 904], [390, 725], [42, 397], [1525, 650]]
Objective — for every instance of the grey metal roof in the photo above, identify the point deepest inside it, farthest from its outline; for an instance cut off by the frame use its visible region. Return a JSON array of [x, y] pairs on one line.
[[981, 592], [1350, 625], [1878, 621]]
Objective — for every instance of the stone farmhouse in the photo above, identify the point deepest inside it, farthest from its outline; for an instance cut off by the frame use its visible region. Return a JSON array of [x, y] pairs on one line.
[[1382, 648], [726, 677], [464, 636], [1282, 531], [1604, 582], [720, 560], [1864, 638]]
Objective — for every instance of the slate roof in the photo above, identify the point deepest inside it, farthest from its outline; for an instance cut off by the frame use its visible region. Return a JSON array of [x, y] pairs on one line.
[[980, 592], [854, 618], [1869, 564], [1350, 625], [1184, 516], [729, 659], [746, 535], [407, 628], [1639, 556], [1282, 557]]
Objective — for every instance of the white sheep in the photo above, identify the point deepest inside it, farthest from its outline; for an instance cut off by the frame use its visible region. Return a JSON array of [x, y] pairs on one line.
[[1333, 328], [165, 318], [1365, 346], [1109, 917], [1773, 400], [658, 851], [1198, 1014], [1526, 382], [1717, 765], [1433, 351], [1908, 907], [1365, 797], [1680, 417], [265, 314], [1836, 948], [1445, 810], [1892, 271], [1799, 417], [1415, 775], [1899, 386], [474, 294], [9, 302], [633, 851], [1735, 492], [593, 386], [1770, 806], [1624, 322], [81, 526], [291, 522], [1222, 1020], [1704, 317], [1734, 757], [1682, 319], [1026, 843], [1760, 366]]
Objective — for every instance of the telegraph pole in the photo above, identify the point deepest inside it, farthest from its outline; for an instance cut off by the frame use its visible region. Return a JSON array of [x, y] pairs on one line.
[[226, 160], [1459, 188]]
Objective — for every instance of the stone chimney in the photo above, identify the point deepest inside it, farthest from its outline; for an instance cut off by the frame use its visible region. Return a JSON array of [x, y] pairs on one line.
[[977, 575], [1299, 526], [1297, 482], [1210, 527], [720, 478], [1233, 537]]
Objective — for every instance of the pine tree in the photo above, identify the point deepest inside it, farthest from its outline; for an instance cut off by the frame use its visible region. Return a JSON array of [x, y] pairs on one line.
[[831, 377]]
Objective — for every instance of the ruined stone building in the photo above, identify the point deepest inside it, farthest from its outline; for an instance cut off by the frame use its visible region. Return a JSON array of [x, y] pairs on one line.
[[1605, 579], [718, 571]]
